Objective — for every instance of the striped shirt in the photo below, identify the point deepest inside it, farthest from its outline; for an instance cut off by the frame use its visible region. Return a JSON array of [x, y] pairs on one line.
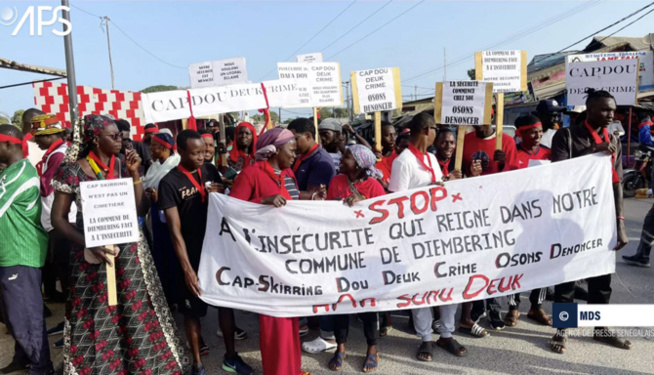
[[289, 184], [24, 241]]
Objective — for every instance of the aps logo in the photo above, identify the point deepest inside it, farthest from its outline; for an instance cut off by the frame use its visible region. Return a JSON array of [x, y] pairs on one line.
[[37, 17]]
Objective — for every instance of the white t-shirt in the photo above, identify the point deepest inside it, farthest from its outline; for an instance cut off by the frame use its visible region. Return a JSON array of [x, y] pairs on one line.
[[407, 173], [546, 140], [36, 154]]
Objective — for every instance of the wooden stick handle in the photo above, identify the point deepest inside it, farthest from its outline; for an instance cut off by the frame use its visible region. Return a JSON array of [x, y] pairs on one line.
[[460, 137], [499, 120], [112, 295]]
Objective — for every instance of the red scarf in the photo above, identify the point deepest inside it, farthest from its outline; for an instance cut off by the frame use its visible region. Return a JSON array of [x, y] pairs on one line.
[[54, 146], [642, 124], [421, 159], [109, 171], [598, 140], [235, 153], [445, 167], [199, 186], [279, 180], [301, 158]]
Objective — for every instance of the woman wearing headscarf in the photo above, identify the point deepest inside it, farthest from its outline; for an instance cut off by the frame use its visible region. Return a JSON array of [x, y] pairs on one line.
[[244, 146], [165, 260], [357, 181], [270, 181], [138, 334]]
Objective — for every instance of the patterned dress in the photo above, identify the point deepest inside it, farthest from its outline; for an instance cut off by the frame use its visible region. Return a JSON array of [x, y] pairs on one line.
[[138, 335]]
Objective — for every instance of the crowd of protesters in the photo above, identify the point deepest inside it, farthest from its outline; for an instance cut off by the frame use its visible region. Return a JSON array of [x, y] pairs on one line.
[[41, 218]]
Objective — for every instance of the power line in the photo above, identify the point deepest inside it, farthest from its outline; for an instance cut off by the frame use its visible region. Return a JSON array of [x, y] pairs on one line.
[[357, 25], [375, 30], [521, 34], [609, 26], [312, 38], [625, 26], [130, 38]]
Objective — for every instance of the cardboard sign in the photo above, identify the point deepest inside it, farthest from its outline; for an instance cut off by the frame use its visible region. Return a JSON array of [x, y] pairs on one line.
[[287, 93], [173, 105], [645, 68], [468, 240], [376, 90], [506, 70], [310, 58], [109, 212], [618, 77], [322, 79], [463, 103], [218, 73]]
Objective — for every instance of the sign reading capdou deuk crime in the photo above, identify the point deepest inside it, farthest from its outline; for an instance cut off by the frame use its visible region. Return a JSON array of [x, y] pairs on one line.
[[174, 105], [618, 77], [109, 212], [467, 240], [463, 103], [376, 90]]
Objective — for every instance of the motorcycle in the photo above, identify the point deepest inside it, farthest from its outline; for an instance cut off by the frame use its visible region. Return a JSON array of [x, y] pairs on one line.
[[639, 176]]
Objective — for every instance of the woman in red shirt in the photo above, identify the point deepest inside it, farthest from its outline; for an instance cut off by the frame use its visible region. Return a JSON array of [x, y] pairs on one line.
[[356, 182], [271, 181]]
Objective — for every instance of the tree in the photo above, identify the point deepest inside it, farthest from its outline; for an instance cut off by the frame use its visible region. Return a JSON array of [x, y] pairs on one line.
[[159, 88], [340, 112], [4, 120], [17, 118]]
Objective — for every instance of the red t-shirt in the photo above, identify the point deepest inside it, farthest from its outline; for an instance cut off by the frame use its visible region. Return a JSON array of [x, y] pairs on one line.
[[385, 165], [484, 149], [339, 188], [523, 156]]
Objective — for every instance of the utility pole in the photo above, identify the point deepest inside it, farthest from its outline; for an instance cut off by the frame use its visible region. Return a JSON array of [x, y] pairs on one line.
[[111, 65], [415, 92], [70, 69], [279, 112]]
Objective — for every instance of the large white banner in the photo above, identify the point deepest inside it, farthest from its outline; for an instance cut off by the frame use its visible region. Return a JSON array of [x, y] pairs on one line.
[[173, 105], [619, 77], [470, 239]]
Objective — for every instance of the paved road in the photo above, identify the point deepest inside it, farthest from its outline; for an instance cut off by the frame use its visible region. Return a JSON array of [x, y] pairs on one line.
[[519, 350]]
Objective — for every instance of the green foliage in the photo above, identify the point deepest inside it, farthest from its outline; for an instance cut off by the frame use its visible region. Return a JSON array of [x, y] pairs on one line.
[[17, 118], [159, 88]]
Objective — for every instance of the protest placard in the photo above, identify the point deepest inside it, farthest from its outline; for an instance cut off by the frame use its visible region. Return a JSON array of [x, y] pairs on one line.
[[109, 219], [173, 105], [506, 70], [287, 93], [645, 64], [322, 79], [618, 77], [109, 212], [470, 239], [376, 90], [463, 103], [310, 58], [218, 73]]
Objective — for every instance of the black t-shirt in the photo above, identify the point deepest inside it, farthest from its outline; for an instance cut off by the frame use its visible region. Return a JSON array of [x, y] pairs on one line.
[[176, 190]]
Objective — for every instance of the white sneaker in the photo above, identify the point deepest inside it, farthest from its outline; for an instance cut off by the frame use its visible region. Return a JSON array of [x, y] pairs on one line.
[[318, 345]]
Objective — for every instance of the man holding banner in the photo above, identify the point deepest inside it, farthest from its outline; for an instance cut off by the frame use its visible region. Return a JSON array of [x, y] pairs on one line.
[[576, 141], [413, 169]]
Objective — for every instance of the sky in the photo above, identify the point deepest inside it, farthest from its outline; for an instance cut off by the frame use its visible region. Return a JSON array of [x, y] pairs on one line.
[[416, 36]]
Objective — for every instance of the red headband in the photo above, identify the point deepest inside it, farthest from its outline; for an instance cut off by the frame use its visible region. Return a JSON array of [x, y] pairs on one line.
[[10, 139], [151, 130], [527, 127], [207, 135], [163, 143]]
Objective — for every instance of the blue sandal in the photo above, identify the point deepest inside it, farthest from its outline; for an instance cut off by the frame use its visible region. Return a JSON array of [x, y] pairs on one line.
[[371, 362], [336, 362]]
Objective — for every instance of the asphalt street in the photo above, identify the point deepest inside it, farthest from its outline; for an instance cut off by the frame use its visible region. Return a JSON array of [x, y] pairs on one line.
[[518, 350]]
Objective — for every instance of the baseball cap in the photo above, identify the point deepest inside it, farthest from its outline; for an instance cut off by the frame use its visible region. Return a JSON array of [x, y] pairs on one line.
[[549, 105]]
